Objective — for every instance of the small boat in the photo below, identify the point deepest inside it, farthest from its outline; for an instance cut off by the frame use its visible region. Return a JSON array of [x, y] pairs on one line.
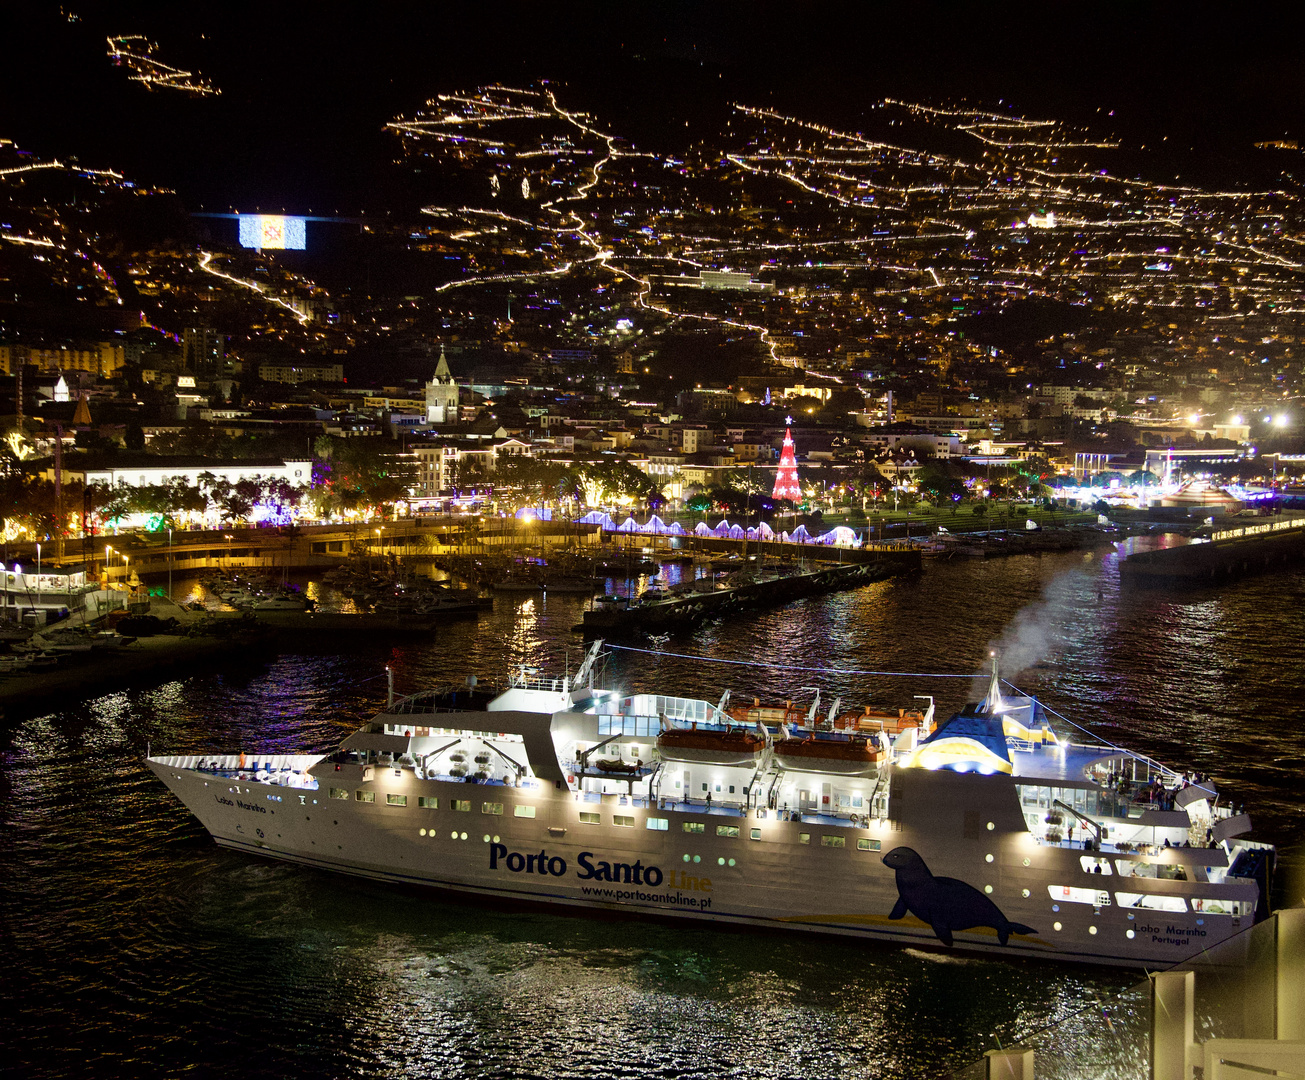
[[284, 602], [616, 766]]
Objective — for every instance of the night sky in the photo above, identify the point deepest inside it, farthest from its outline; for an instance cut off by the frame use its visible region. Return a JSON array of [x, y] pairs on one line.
[[307, 89]]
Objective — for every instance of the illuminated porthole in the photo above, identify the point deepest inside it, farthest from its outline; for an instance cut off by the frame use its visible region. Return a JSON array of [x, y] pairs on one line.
[[1027, 862], [697, 858], [496, 840], [720, 861], [422, 831], [455, 834], [486, 838], [991, 826], [1130, 934], [1026, 894], [464, 836], [1056, 926], [987, 888], [731, 862], [1055, 907], [987, 858], [688, 858], [1092, 929]]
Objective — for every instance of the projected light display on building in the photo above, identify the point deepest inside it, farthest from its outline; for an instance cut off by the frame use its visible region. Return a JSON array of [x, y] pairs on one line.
[[264, 231]]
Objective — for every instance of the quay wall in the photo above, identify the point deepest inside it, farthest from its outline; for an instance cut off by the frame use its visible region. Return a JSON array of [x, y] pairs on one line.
[[1233, 552]]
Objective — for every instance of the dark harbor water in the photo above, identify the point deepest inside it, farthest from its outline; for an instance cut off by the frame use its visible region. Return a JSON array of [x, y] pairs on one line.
[[135, 947]]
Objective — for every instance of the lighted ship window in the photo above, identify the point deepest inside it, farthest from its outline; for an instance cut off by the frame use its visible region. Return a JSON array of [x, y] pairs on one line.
[[657, 824], [365, 796], [694, 827], [523, 811], [428, 802], [1221, 907], [727, 830], [1071, 895], [833, 841], [804, 838], [1154, 903], [462, 804], [339, 793], [495, 808], [867, 845], [591, 819], [621, 819], [392, 799]]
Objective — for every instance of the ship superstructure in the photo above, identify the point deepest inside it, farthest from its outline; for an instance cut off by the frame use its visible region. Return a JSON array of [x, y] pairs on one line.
[[992, 832]]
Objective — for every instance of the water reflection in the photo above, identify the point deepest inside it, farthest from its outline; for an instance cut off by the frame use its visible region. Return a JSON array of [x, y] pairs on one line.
[[158, 953]]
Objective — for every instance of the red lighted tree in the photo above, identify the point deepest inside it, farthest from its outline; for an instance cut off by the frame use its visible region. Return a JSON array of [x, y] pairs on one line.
[[786, 477]]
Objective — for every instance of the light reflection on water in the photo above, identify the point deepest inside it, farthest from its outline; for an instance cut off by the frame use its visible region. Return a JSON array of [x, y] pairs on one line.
[[156, 953]]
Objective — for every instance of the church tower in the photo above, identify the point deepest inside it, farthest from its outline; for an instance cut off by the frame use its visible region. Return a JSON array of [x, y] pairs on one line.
[[442, 394]]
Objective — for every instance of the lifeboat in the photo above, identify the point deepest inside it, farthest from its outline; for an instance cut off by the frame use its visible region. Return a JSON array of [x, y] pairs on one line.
[[711, 746], [868, 721], [824, 752], [770, 715]]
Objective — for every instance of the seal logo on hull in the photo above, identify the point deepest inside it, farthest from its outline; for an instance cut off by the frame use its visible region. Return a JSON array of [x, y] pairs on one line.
[[946, 904]]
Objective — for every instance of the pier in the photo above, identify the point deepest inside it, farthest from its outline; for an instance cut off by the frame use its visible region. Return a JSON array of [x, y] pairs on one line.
[[1232, 552], [695, 606]]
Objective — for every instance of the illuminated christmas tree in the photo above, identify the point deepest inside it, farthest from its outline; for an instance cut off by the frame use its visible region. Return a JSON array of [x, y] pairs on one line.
[[786, 477]]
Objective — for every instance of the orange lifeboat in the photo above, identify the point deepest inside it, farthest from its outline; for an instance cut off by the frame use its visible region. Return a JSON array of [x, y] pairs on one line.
[[869, 721], [711, 746], [843, 754], [769, 715]]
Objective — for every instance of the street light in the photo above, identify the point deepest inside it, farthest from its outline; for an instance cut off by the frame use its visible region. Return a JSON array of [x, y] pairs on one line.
[[169, 564], [38, 573]]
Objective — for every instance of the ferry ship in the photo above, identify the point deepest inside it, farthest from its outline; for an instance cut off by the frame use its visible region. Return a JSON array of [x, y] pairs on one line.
[[991, 833]]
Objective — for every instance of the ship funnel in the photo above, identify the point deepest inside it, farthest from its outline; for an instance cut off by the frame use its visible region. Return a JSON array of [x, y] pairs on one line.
[[993, 703]]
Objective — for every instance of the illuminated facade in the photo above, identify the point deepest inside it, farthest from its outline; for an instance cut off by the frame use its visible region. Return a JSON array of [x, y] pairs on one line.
[[442, 394]]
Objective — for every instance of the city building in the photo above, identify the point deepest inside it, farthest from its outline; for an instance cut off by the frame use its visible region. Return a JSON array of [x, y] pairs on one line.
[[203, 350], [293, 374], [143, 470]]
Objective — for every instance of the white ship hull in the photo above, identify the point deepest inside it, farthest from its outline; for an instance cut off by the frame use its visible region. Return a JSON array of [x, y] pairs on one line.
[[965, 842], [778, 881]]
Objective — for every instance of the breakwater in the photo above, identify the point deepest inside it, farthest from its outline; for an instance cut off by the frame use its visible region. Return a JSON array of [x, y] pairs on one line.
[[1229, 553], [694, 606]]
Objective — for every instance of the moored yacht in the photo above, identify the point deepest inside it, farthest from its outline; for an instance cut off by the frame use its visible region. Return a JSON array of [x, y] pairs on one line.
[[994, 833]]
